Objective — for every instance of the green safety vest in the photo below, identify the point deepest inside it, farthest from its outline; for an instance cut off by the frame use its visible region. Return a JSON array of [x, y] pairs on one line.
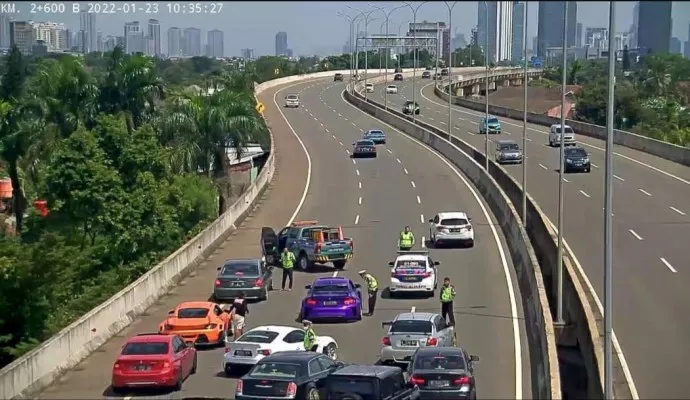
[[406, 239], [287, 259], [372, 284], [447, 294], [309, 339]]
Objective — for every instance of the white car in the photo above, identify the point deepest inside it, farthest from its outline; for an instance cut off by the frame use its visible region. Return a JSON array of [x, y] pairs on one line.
[[413, 271], [392, 89], [555, 135], [369, 88], [450, 227], [262, 341], [292, 100]]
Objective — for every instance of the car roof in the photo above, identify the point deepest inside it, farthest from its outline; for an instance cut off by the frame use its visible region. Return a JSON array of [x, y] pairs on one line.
[[490, 117], [365, 141], [275, 328], [195, 304], [415, 316], [330, 280], [410, 257], [446, 350], [452, 214], [293, 94], [576, 148], [291, 355], [374, 131], [367, 370], [149, 338], [506, 142], [559, 125], [241, 261]]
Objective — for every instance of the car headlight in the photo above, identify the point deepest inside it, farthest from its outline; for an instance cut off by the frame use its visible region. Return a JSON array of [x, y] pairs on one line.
[[569, 161], [586, 160]]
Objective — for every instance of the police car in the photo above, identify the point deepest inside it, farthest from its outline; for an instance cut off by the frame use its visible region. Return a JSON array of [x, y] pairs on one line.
[[413, 272]]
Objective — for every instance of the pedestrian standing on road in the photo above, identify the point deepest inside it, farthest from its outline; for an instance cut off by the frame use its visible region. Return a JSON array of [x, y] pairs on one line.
[[309, 336], [287, 259], [238, 311], [447, 297], [406, 240], [372, 290]]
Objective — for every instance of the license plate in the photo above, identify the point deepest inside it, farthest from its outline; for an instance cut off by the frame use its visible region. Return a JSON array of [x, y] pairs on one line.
[[439, 383], [408, 342], [410, 278], [243, 353], [456, 230], [237, 284], [330, 303], [141, 367]]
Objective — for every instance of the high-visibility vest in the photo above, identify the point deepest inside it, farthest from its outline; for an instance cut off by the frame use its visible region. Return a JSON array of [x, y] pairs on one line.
[[288, 260], [447, 294], [406, 239], [372, 284], [309, 338]]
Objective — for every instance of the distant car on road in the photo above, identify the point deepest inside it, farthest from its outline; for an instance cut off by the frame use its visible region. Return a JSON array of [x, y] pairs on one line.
[[392, 89], [438, 77], [413, 272], [411, 330], [338, 77], [197, 322], [508, 152], [369, 382], [398, 70], [292, 101], [332, 298], [555, 135], [369, 88], [490, 125], [449, 227], [249, 276], [576, 160], [444, 72], [443, 373], [153, 360], [411, 107], [398, 77], [426, 75], [364, 148], [375, 135]]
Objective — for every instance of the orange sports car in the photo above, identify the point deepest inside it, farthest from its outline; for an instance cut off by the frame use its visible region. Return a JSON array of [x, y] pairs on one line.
[[198, 322]]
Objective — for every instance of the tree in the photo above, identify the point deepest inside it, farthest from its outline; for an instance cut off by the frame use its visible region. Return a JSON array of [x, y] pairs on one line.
[[471, 55]]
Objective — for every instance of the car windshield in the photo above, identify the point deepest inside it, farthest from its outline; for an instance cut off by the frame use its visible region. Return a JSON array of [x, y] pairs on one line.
[[275, 370], [575, 152], [410, 104], [439, 362], [493, 120], [453, 221], [292, 97], [145, 348], [341, 385], [411, 326], [365, 143], [509, 146], [567, 129], [410, 266], [192, 313], [258, 337], [249, 269], [370, 85], [339, 288]]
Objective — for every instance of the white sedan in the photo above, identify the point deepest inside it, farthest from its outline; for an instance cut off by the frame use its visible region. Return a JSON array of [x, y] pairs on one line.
[[413, 271], [392, 89], [262, 341]]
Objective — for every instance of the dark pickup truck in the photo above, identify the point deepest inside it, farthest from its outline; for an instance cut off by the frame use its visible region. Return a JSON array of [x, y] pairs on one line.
[[369, 382]]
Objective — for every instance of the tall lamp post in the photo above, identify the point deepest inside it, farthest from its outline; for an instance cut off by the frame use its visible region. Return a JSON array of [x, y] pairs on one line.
[[524, 119], [366, 48], [352, 47], [486, 89], [414, 56], [400, 35], [450, 67], [387, 15]]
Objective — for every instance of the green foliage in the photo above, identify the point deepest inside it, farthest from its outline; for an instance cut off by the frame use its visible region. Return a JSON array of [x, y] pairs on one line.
[[471, 55]]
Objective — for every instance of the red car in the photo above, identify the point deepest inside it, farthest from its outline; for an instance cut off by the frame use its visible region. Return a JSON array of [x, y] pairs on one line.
[[153, 360]]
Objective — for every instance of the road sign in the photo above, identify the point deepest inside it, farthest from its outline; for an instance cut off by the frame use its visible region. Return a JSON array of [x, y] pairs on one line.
[[276, 71], [260, 107]]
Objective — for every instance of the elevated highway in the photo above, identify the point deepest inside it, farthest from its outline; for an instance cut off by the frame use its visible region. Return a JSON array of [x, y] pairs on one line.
[[372, 199], [652, 222]]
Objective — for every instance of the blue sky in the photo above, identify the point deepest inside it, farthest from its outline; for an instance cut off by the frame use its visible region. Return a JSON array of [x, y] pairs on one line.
[[314, 27]]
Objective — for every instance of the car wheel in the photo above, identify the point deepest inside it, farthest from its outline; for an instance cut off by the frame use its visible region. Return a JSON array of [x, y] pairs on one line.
[[331, 351], [193, 371], [270, 285], [264, 295], [470, 243], [117, 389], [221, 342], [303, 262], [359, 314], [178, 384], [313, 394]]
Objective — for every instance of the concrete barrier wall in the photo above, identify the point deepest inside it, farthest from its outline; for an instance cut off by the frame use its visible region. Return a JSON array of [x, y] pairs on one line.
[[41, 366], [634, 141], [545, 373]]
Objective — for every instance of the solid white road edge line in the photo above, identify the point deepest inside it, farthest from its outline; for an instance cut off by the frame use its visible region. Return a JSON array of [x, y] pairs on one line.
[[504, 261]]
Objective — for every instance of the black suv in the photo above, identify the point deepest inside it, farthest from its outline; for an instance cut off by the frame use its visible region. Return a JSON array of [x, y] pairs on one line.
[[369, 382], [338, 77]]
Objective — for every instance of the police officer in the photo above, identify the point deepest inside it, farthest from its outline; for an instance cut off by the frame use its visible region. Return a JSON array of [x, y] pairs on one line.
[[287, 259], [447, 296], [309, 336], [372, 289], [406, 240]]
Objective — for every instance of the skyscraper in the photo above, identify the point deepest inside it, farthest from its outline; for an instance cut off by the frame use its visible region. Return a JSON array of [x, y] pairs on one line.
[[635, 24], [578, 35], [22, 36], [675, 46], [518, 31], [248, 54], [134, 38], [154, 37], [174, 42], [4, 31], [499, 29], [191, 42], [654, 26], [214, 43], [281, 44], [88, 32], [550, 25]]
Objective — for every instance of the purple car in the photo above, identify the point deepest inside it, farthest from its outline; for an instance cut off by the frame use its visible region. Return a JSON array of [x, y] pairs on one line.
[[332, 298]]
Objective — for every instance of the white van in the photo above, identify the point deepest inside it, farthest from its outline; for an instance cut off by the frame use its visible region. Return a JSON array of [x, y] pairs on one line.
[[555, 135], [369, 88]]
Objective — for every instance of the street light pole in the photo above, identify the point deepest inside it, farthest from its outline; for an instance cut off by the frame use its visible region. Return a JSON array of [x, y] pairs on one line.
[[366, 48], [387, 15], [524, 120], [486, 90], [450, 68], [414, 58], [351, 49], [559, 270], [608, 212]]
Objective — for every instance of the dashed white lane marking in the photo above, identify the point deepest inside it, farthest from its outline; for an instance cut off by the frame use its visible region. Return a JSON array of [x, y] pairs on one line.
[[361, 130], [413, 309], [357, 219], [327, 131], [406, 172], [423, 242], [668, 265], [340, 143], [565, 180], [431, 119], [584, 193], [389, 150], [353, 124], [645, 192], [357, 171], [360, 185], [354, 161], [347, 151], [359, 201], [543, 166], [421, 217], [321, 123], [334, 137], [632, 232], [340, 115], [619, 178], [316, 119], [676, 210], [399, 162], [413, 185], [594, 165], [419, 201]]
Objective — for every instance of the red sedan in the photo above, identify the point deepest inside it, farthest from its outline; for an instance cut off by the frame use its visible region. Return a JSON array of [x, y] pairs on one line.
[[153, 360]]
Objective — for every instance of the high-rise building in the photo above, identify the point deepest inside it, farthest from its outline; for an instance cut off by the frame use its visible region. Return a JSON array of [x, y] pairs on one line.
[[436, 30], [499, 31], [52, 34], [597, 38], [686, 49], [281, 44], [474, 41], [154, 37], [88, 33], [675, 46], [134, 38], [578, 35], [191, 42], [174, 42], [248, 54], [622, 40], [214, 42], [5, 31], [550, 25], [654, 26], [518, 31], [109, 43], [22, 36], [635, 25], [535, 44]]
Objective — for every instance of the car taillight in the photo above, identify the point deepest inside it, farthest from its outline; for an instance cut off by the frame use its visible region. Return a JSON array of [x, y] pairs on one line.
[[464, 380], [265, 352], [238, 388], [417, 380], [168, 327], [431, 341], [228, 349], [386, 341], [393, 275], [217, 283], [317, 249], [211, 326], [116, 366], [166, 365], [440, 228], [292, 389], [349, 301], [427, 274], [352, 244], [259, 282], [311, 302], [468, 227]]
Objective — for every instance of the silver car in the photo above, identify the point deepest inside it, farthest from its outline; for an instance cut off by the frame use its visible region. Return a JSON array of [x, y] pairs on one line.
[[249, 276], [412, 330], [508, 152]]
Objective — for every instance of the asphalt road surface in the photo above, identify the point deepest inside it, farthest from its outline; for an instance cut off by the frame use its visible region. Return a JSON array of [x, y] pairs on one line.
[[372, 199], [650, 237]]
